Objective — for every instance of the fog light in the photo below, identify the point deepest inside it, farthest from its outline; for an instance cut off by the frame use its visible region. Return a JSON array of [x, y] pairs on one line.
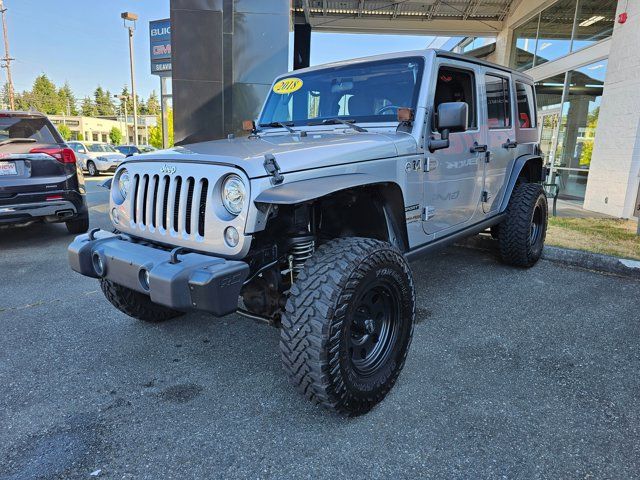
[[144, 278], [231, 236], [115, 216], [98, 264]]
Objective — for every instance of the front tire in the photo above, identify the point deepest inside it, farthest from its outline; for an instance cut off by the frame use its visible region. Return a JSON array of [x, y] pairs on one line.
[[78, 225], [91, 168], [136, 304], [348, 324], [523, 232]]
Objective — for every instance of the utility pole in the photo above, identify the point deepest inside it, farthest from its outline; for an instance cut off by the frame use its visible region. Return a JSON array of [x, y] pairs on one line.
[[132, 17], [7, 59]]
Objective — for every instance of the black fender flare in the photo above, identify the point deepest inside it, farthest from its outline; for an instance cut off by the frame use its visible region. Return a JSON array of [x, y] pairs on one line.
[[305, 190], [392, 199], [529, 161]]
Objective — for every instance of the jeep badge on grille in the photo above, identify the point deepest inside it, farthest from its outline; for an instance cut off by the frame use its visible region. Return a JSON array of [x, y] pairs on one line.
[[170, 169]]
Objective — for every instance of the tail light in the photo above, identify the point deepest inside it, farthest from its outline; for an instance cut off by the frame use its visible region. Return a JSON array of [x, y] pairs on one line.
[[63, 155]]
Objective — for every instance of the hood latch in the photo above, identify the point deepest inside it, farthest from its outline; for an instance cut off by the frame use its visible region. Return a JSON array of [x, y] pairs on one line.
[[273, 169]]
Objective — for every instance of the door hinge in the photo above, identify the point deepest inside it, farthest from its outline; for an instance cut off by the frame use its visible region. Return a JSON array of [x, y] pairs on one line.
[[428, 213], [486, 196], [429, 164], [487, 156]]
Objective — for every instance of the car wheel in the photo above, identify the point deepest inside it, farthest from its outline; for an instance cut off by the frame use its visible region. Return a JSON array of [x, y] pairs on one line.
[[523, 231], [348, 324], [78, 225], [91, 168], [136, 304]]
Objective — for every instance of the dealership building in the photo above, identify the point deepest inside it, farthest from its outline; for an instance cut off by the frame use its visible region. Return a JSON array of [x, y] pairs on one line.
[[584, 56]]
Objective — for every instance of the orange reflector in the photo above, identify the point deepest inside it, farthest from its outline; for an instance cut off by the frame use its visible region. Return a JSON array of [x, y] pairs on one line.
[[248, 125]]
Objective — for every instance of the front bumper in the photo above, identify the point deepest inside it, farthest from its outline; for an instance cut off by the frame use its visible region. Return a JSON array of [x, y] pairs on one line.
[[107, 166], [190, 281]]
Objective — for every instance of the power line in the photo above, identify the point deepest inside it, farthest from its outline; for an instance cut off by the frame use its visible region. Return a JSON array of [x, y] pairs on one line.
[[7, 58]]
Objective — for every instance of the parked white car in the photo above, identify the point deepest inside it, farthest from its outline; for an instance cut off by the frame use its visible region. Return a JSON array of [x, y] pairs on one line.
[[96, 157]]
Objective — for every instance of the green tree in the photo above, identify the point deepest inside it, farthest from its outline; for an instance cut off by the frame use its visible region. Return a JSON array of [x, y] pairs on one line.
[[64, 131], [103, 102], [115, 135], [153, 104], [43, 96], [80, 137], [155, 133], [88, 108], [67, 99]]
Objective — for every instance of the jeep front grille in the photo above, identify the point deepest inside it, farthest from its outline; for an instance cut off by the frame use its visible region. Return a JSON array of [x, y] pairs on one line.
[[170, 204]]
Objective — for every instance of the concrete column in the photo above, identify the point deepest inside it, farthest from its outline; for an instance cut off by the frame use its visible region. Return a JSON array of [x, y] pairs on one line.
[[615, 164], [225, 55]]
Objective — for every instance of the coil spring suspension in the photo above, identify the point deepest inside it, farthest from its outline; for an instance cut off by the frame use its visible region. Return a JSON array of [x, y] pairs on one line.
[[301, 250]]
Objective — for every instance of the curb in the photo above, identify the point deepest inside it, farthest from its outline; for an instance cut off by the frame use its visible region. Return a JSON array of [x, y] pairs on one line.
[[576, 258]]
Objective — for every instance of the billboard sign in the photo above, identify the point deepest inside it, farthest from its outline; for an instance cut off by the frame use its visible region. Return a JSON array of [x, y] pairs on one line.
[[160, 46]]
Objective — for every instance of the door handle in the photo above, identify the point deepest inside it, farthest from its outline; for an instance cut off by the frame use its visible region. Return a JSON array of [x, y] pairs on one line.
[[478, 148], [510, 144]]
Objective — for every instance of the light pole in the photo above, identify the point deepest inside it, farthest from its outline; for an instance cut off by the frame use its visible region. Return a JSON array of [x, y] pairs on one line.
[[131, 18], [123, 102]]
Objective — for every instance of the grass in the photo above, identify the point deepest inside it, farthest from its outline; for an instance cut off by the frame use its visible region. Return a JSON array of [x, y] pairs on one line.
[[599, 235]]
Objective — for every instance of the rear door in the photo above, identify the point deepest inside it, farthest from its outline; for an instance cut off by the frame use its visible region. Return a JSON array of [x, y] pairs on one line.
[[500, 137], [21, 169]]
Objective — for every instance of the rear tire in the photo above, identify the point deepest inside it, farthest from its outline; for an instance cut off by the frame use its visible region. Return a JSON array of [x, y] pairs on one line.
[[91, 168], [523, 232], [78, 225], [348, 324], [136, 304]]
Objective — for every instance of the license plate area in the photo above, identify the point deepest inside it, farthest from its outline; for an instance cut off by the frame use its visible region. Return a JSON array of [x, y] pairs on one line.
[[8, 168]]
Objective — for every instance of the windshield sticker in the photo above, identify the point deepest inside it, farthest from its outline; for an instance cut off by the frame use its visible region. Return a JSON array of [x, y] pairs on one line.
[[287, 85]]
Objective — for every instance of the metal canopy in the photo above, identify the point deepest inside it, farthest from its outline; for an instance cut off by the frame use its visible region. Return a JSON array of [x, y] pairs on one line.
[[435, 17]]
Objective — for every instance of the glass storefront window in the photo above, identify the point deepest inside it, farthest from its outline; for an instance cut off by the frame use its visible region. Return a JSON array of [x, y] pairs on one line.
[[525, 44], [554, 33], [564, 27], [594, 22], [576, 132]]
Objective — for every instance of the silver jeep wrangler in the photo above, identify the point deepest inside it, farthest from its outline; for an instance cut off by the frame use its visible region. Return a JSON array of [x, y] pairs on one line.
[[352, 170]]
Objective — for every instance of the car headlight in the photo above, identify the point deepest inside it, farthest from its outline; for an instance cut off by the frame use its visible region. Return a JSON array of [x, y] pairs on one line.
[[123, 183], [233, 194]]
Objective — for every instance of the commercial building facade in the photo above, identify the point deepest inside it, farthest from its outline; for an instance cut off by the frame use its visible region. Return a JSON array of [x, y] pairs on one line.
[[97, 129]]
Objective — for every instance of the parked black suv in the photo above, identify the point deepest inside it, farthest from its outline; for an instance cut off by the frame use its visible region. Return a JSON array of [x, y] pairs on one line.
[[39, 179]]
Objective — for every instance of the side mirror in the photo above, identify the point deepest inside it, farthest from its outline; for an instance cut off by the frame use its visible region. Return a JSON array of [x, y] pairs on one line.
[[452, 117]]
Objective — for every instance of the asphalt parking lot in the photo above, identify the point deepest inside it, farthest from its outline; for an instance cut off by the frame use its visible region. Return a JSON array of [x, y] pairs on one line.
[[511, 374]]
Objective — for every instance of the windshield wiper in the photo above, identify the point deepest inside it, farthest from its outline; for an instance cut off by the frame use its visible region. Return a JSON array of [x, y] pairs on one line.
[[335, 121], [17, 140], [279, 125]]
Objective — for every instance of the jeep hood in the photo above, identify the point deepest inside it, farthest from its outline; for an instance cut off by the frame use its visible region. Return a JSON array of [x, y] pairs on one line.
[[292, 152]]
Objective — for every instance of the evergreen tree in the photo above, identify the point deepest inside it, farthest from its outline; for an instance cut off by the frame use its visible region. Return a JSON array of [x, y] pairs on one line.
[[67, 99], [153, 104], [44, 96], [103, 102], [88, 109]]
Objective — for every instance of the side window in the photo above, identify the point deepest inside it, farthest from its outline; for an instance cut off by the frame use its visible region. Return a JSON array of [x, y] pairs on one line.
[[456, 85], [525, 103], [498, 102]]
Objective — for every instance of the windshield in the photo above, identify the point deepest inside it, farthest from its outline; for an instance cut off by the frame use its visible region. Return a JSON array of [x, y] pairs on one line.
[[26, 127], [366, 92], [100, 147]]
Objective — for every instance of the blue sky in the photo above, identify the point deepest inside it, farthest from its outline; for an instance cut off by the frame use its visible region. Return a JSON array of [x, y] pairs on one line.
[[84, 42]]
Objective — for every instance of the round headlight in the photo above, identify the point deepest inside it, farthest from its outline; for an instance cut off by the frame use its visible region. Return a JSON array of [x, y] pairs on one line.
[[123, 183], [233, 194]]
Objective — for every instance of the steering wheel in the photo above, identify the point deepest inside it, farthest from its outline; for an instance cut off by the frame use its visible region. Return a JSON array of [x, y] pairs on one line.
[[385, 108]]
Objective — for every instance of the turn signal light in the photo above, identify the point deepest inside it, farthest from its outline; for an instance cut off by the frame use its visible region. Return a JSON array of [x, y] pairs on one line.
[[405, 115], [248, 125], [63, 155]]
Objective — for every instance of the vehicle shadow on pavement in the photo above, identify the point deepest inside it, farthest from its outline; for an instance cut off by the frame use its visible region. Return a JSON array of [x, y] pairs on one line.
[[33, 235]]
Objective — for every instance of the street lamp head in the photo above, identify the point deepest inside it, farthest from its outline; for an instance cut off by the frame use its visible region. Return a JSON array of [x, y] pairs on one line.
[[129, 16]]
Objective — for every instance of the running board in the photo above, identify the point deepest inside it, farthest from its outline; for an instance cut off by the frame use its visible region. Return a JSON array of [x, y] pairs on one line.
[[419, 252]]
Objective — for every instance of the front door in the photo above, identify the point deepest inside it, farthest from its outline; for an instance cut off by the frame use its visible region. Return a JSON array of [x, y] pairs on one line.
[[453, 178], [501, 136]]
